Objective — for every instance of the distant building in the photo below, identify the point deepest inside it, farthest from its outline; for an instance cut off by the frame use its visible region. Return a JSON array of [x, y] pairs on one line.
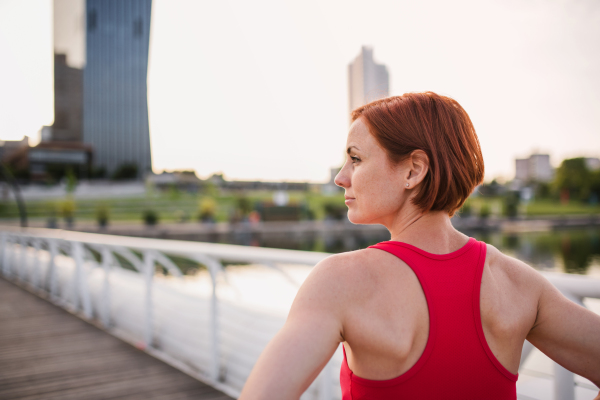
[[592, 163], [522, 169], [50, 160], [68, 102], [9, 147], [100, 72], [182, 180], [535, 168], [330, 187], [219, 181], [367, 80]]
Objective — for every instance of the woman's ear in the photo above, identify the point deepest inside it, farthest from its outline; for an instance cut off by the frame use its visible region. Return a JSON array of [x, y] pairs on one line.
[[419, 166]]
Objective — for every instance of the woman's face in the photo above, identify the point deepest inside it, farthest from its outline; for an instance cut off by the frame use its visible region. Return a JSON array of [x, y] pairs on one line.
[[375, 188]]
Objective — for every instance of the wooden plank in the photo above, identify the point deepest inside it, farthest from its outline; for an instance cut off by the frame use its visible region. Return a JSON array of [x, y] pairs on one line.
[[47, 353]]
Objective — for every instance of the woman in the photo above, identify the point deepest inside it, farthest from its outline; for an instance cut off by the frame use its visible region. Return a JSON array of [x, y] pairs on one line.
[[430, 314]]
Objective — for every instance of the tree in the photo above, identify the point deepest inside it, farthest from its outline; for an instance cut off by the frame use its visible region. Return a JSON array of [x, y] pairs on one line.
[[595, 187], [574, 178], [71, 180], [511, 204]]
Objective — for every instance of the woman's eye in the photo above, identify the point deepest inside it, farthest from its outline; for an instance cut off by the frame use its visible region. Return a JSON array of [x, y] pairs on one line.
[[354, 159]]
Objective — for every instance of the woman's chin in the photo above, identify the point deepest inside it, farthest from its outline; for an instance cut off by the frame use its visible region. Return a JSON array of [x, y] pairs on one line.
[[356, 218]]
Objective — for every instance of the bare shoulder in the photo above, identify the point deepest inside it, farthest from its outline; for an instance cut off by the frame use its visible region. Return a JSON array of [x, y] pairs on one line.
[[349, 276], [353, 267], [510, 269]]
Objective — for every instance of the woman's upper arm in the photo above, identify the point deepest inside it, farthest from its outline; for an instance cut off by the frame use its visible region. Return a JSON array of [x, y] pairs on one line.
[[567, 333], [310, 336]]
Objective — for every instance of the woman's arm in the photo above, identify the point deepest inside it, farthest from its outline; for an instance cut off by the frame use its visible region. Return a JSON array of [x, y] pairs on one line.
[[310, 336], [567, 333]]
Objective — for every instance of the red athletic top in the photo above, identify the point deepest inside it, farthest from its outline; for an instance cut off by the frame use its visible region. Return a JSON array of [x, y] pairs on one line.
[[457, 362]]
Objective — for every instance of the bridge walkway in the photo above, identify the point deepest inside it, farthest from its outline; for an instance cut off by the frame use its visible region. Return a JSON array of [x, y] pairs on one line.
[[47, 353]]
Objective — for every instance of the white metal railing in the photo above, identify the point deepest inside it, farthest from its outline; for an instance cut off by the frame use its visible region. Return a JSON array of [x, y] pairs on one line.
[[214, 340], [87, 274]]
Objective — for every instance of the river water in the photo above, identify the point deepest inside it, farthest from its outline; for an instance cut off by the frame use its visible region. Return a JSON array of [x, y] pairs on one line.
[[259, 287], [569, 250]]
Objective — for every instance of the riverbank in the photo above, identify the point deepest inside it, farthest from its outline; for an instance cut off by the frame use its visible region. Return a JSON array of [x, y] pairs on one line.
[[219, 231]]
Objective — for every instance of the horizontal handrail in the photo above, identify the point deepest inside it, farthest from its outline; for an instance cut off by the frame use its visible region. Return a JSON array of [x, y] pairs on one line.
[[225, 252]]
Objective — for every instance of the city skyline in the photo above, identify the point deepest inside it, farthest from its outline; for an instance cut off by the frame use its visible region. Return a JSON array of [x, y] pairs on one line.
[[226, 94]]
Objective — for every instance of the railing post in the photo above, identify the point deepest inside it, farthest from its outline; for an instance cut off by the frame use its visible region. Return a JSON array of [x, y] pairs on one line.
[[564, 383], [149, 275], [75, 278], [214, 329], [3, 245], [81, 280], [8, 256], [214, 268], [14, 257], [35, 272], [106, 262], [22, 272], [51, 277]]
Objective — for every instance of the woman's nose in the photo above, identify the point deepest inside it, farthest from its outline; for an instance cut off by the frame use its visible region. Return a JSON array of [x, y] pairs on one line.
[[341, 179]]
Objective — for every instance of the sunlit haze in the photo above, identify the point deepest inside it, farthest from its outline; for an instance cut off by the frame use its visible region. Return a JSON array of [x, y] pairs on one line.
[[258, 90]]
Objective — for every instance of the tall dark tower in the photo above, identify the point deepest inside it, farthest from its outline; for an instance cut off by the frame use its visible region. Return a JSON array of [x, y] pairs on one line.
[[101, 68], [115, 106]]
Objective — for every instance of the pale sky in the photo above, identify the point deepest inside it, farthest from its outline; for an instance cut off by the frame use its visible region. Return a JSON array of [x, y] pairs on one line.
[[258, 90]]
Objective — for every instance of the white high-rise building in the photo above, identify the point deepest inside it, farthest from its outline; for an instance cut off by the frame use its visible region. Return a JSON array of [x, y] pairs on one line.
[[367, 80], [535, 168], [592, 163]]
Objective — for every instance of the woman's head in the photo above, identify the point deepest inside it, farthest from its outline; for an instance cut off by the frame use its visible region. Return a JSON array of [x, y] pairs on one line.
[[421, 139]]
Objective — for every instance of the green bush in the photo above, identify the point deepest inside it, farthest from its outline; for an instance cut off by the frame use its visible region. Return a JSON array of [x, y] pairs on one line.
[[511, 204], [150, 217], [207, 210], [485, 211], [243, 205], [102, 215], [67, 208]]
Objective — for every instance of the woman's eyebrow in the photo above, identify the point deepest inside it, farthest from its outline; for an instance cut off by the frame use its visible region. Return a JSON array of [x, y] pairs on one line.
[[348, 150]]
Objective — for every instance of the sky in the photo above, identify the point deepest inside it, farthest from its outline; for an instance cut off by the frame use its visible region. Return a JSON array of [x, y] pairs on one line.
[[258, 90]]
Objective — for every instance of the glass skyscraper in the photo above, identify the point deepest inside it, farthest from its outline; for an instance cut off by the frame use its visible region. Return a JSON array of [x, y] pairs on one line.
[[109, 41]]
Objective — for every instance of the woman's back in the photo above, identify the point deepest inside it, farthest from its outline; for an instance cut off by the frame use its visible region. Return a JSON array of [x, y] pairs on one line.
[[402, 338], [390, 318]]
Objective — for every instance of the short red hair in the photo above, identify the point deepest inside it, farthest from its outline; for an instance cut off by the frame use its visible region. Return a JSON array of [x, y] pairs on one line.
[[440, 127]]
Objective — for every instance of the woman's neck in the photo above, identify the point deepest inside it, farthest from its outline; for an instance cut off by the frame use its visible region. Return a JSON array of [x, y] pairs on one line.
[[431, 231]]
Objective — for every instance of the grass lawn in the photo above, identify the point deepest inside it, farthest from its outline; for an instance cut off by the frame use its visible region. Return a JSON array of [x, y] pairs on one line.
[[548, 207], [534, 208], [170, 207]]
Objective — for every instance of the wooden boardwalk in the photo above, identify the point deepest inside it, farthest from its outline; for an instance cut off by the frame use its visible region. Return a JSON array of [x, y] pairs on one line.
[[47, 353]]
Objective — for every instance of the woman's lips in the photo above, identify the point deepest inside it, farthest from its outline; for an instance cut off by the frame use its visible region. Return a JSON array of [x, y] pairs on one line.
[[348, 200]]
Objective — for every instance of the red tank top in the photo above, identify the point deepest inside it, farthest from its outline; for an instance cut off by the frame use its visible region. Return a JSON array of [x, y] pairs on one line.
[[457, 362]]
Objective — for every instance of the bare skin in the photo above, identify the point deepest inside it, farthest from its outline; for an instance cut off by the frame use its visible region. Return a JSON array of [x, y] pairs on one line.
[[373, 303]]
